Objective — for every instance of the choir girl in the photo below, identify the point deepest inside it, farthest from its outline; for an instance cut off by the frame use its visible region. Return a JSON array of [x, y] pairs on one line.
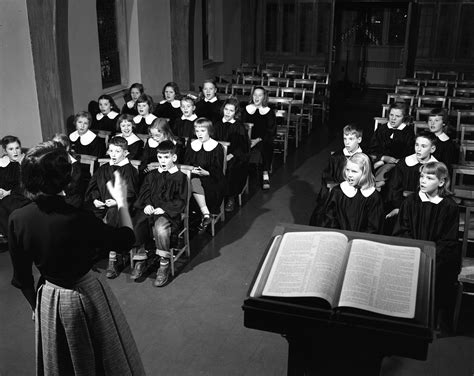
[[231, 129], [75, 312], [184, 125], [209, 106], [134, 92], [207, 180], [354, 204], [162, 198], [170, 106], [446, 149], [106, 119], [145, 116], [11, 192], [125, 129], [431, 214], [263, 130], [83, 140]]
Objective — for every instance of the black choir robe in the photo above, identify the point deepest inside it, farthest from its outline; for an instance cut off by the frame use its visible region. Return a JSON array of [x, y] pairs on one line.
[[149, 153], [135, 146], [168, 110], [129, 108], [395, 142], [89, 143], [142, 123], [76, 189], [184, 127], [352, 209], [107, 122], [210, 109], [446, 150]]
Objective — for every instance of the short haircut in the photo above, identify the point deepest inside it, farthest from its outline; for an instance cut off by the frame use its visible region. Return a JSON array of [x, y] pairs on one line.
[[439, 112], [138, 86], [83, 114], [175, 87], [62, 139], [441, 171], [210, 81], [235, 102], [367, 180], [188, 99], [203, 122], [265, 95], [400, 106], [9, 140], [428, 135], [46, 169], [166, 146], [124, 117], [353, 128], [113, 105], [119, 141], [163, 125], [145, 98]]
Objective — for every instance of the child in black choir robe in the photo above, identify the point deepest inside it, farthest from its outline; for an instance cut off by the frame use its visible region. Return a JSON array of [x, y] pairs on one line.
[[354, 204], [263, 131], [232, 130], [207, 179], [170, 106], [97, 193], [392, 141], [106, 119], [129, 108], [184, 125], [125, 127], [145, 117], [11, 192], [446, 149], [209, 106], [333, 174], [162, 198], [83, 140], [430, 214]]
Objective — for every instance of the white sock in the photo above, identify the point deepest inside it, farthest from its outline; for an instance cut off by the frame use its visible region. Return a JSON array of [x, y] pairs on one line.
[[112, 256], [265, 176], [205, 210]]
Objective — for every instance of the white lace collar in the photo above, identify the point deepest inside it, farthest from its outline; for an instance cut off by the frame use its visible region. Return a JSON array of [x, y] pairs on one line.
[[172, 170], [347, 154], [72, 159], [400, 127], [85, 139], [131, 104], [231, 121], [148, 119], [111, 115], [212, 100], [152, 143], [412, 160], [123, 162], [4, 161], [251, 108], [443, 137], [425, 198], [175, 103], [209, 145], [351, 191], [130, 139], [190, 118]]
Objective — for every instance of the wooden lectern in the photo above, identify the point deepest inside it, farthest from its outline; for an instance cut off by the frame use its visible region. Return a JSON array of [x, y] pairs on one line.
[[344, 341]]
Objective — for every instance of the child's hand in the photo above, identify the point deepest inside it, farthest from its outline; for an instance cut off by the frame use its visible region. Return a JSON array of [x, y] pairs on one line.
[[109, 203], [389, 159], [118, 189], [148, 210], [378, 164], [152, 166], [196, 170], [254, 142], [393, 213], [99, 204], [229, 157], [158, 211]]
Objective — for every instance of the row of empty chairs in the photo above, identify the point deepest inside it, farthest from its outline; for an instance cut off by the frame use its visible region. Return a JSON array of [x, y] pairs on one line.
[[448, 75]]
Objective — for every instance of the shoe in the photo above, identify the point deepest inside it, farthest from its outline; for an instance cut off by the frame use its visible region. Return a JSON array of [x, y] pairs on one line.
[[138, 269], [162, 275], [114, 267], [266, 184], [205, 222], [230, 205]]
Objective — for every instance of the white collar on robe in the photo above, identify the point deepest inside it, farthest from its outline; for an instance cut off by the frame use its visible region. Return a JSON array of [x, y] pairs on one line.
[[123, 162], [72, 159], [412, 160], [425, 198], [148, 119], [232, 121], [172, 170], [152, 143], [175, 103], [443, 137], [130, 139], [212, 100], [400, 127], [209, 145], [85, 139], [347, 154], [111, 115], [251, 108], [190, 118], [130, 104], [4, 161], [351, 191]]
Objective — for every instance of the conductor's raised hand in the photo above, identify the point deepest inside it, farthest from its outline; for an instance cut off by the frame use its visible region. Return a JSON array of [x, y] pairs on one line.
[[118, 189]]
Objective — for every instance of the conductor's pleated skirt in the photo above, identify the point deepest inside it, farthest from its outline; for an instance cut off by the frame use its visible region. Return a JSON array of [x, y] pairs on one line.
[[82, 331]]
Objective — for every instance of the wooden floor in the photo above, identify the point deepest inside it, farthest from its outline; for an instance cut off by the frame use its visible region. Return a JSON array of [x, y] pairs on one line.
[[194, 325]]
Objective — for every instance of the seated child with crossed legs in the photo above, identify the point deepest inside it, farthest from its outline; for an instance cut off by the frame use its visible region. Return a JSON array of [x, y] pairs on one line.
[[163, 197]]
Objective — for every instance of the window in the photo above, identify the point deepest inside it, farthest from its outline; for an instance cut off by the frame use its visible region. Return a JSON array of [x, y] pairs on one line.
[[205, 29], [466, 37], [427, 18], [397, 26], [212, 30]]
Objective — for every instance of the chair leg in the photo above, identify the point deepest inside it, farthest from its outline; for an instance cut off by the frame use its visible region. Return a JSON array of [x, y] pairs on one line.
[[172, 262], [132, 253], [457, 307]]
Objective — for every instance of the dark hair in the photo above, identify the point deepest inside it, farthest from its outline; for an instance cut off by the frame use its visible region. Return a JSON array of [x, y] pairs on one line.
[[353, 128], [9, 140], [428, 135], [83, 114], [265, 95], [62, 139], [441, 171], [166, 146], [209, 81], [145, 98], [204, 123], [403, 107], [187, 98], [440, 112], [46, 169], [124, 117], [235, 102], [138, 86], [113, 105], [175, 87], [119, 141]]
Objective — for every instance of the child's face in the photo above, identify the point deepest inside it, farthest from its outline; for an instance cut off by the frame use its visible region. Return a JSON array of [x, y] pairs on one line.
[[257, 97], [166, 160], [169, 94], [423, 149], [436, 124], [82, 125], [353, 173], [429, 183], [187, 108], [143, 108], [395, 117], [134, 93], [209, 90], [229, 112], [351, 142], [13, 151], [202, 133], [104, 106], [157, 135], [126, 128], [116, 154]]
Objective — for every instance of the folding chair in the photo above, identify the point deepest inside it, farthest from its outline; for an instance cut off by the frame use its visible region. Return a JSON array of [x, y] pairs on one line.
[[296, 113], [252, 80], [275, 66], [411, 90], [294, 74], [463, 117], [466, 129], [424, 74], [277, 81], [408, 82], [105, 135], [310, 101], [315, 68], [271, 73], [464, 84], [281, 138], [296, 67], [273, 91], [436, 83], [241, 89], [419, 126], [460, 104], [463, 92], [396, 97], [222, 87], [422, 113], [89, 160], [221, 215], [431, 101], [245, 189], [379, 121], [448, 76], [434, 90]]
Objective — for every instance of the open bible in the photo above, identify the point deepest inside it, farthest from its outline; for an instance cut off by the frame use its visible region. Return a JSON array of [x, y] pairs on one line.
[[358, 273]]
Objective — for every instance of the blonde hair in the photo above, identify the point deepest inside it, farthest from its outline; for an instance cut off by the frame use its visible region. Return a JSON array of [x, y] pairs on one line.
[[367, 180], [442, 173]]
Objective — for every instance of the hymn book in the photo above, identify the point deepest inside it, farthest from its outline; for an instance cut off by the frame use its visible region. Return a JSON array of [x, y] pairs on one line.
[[363, 274]]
